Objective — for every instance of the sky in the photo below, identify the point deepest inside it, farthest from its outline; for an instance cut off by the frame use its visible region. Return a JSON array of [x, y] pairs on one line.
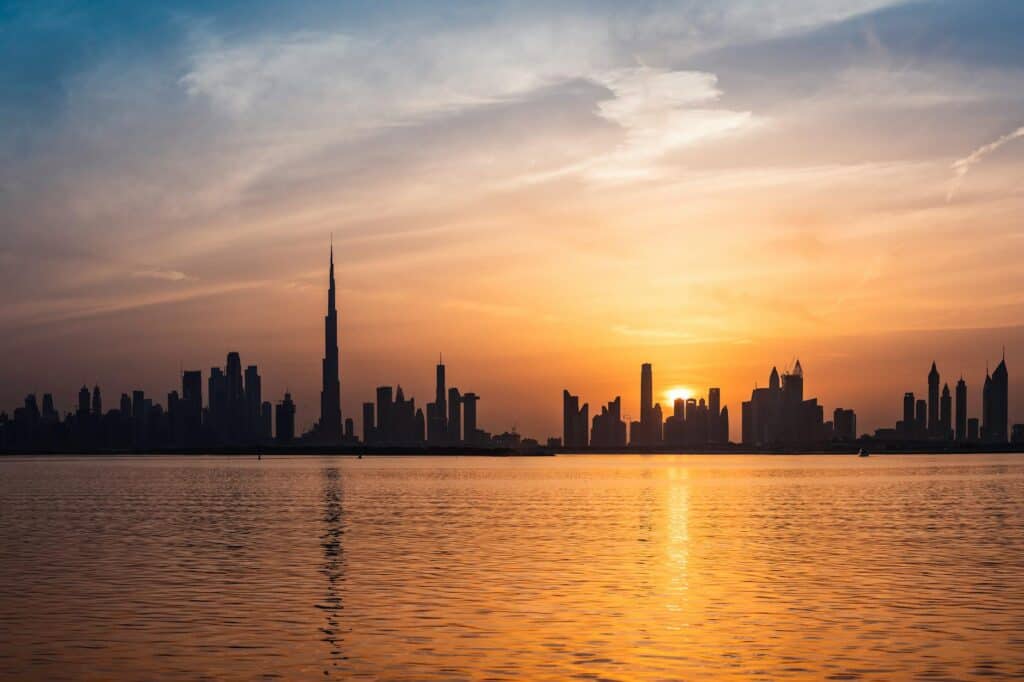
[[549, 194]]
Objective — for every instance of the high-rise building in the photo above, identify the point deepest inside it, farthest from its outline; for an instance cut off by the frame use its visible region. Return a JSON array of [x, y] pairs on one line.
[[469, 401], [235, 426], [973, 431], [649, 431], [454, 416], [921, 417], [961, 410], [934, 428], [909, 423], [715, 415], [780, 415], [253, 403], [49, 414], [285, 418], [97, 402], [844, 424], [996, 416], [329, 426], [609, 431], [437, 411], [83, 401], [217, 390], [384, 430], [945, 428], [574, 421], [266, 421]]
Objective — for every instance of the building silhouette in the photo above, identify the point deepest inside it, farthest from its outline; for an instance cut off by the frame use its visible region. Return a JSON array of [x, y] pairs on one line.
[[995, 404], [940, 420], [934, 428], [945, 428], [285, 419], [609, 431], [961, 410], [328, 430], [779, 415], [574, 422]]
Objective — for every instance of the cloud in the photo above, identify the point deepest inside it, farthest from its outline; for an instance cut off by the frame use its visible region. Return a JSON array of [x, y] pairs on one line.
[[163, 275], [961, 166], [660, 111]]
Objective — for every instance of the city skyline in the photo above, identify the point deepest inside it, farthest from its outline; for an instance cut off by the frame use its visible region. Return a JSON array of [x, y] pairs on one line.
[[235, 414]]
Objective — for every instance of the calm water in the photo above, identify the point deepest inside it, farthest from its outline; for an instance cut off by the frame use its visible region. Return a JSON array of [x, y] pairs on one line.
[[450, 568]]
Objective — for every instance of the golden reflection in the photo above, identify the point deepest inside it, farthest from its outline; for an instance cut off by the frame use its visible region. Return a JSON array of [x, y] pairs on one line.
[[677, 548]]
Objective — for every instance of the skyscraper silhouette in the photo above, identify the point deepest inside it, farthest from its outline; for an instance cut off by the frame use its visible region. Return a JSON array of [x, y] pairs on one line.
[[574, 421], [329, 426], [996, 417], [961, 410], [934, 429], [714, 416], [945, 414], [469, 401], [285, 417]]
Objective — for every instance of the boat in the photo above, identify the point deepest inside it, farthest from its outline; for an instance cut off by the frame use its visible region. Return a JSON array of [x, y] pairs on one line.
[[863, 453]]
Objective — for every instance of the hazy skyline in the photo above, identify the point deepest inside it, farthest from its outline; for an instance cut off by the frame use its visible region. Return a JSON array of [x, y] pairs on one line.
[[549, 193]]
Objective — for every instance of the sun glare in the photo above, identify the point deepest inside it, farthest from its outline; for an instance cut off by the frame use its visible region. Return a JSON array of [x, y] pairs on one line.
[[676, 392]]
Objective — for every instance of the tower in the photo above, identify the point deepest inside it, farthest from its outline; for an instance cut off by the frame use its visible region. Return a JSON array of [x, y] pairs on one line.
[[329, 427], [650, 423], [999, 403], [715, 415], [933, 402], [961, 410], [945, 414]]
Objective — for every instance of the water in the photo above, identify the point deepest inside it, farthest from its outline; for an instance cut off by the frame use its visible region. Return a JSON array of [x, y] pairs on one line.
[[627, 567]]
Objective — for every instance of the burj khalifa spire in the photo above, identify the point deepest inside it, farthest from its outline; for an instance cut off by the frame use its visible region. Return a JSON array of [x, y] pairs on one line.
[[330, 396]]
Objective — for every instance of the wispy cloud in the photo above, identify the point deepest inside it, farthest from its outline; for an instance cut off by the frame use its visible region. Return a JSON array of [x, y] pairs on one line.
[[163, 275], [961, 166]]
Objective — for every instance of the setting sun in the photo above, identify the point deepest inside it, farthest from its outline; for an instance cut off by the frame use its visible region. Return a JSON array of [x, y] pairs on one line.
[[678, 392]]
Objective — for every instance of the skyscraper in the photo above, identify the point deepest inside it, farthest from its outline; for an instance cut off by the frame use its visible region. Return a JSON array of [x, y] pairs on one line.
[[253, 403], [235, 397], [649, 432], [97, 402], [469, 401], [714, 415], [574, 421], [83, 401], [961, 410], [945, 414], [285, 414], [437, 411], [454, 415], [329, 427], [934, 429], [998, 414]]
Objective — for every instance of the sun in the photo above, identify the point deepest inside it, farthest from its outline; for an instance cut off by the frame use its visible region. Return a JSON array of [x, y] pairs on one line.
[[678, 392]]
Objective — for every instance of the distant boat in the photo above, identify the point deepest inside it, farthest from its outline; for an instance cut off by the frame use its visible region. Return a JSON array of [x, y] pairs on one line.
[[863, 453]]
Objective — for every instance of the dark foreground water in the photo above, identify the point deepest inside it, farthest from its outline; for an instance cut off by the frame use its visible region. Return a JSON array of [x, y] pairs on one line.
[[452, 568]]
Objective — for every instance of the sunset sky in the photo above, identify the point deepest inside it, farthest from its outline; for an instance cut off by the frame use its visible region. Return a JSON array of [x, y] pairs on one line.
[[548, 193]]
